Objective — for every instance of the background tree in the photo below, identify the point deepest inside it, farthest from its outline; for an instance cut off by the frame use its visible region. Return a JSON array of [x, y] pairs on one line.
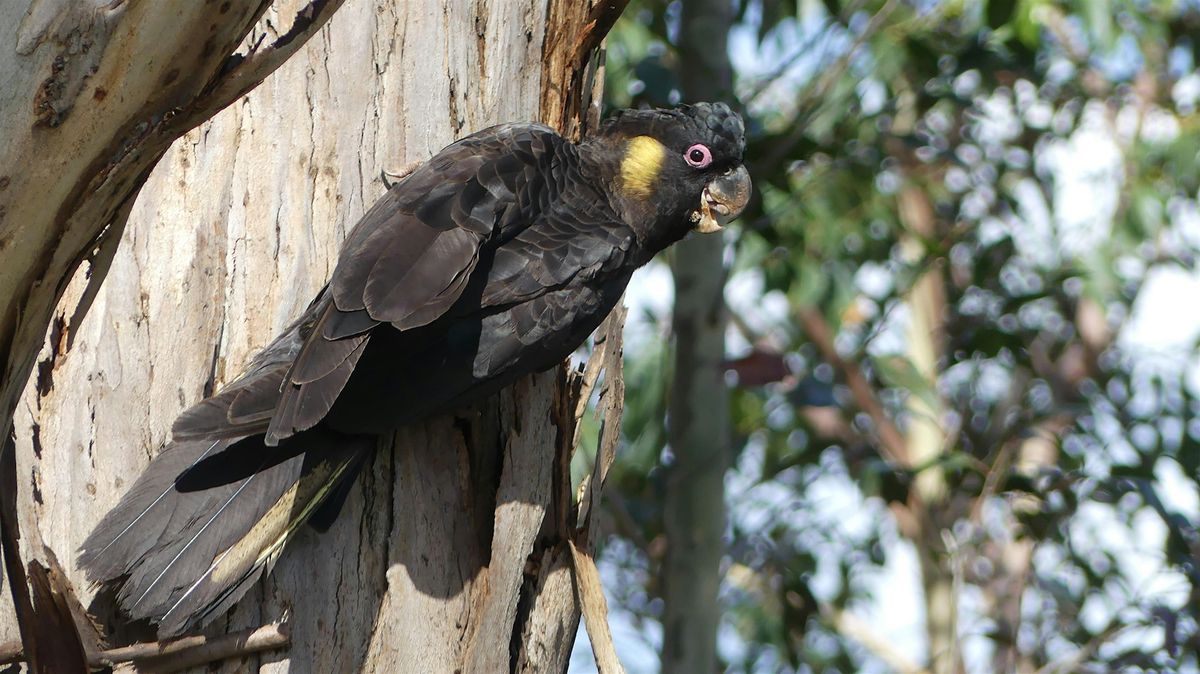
[[698, 411], [965, 427], [451, 554]]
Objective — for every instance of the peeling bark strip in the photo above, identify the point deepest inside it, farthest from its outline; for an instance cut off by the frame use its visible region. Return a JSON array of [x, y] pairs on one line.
[[570, 90], [595, 611], [451, 552], [63, 650]]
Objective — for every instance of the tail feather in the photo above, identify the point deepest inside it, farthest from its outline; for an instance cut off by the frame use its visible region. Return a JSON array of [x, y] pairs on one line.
[[133, 527], [323, 516], [326, 366], [214, 510], [245, 406], [182, 557], [242, 409]]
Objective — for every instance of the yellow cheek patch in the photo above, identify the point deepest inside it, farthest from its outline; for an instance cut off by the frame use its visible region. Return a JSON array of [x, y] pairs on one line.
[[641, 165]]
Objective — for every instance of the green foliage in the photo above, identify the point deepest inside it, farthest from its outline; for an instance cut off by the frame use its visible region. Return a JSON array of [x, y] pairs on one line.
[[1058, 435]]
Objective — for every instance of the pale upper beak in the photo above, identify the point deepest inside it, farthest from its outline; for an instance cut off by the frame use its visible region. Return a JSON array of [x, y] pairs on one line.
[[724, 198]]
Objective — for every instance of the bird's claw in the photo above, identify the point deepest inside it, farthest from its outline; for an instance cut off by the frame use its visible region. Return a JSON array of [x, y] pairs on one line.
[[391, 178]]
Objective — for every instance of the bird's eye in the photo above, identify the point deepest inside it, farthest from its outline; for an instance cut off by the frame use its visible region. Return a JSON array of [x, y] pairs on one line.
[[698, 155]]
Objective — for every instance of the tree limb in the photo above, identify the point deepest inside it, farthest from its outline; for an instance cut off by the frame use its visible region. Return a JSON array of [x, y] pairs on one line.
[[242, 73]]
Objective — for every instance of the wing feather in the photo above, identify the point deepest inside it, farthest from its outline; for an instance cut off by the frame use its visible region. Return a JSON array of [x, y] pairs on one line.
[[401, 284], [411, 257]]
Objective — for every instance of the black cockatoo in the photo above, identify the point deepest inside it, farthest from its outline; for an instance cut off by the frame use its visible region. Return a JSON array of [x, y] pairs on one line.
[[494, 259]]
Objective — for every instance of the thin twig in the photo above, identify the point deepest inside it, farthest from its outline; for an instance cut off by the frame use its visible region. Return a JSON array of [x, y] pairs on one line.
[[591, 376], [991, 483], [892, 445], [805, 49], [816, 91], [1000, 433], [1074, 661], [588, 589]]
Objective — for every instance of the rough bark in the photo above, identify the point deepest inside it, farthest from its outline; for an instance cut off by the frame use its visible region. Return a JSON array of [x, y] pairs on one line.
[[94, 94], [694, 509], [448, 555], [72, 157]]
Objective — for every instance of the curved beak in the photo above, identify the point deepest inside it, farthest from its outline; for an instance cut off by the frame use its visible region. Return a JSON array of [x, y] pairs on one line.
[[723, 200]]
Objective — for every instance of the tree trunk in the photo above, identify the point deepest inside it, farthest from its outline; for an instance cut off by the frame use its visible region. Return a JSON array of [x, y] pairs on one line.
[[94, 93], [449, 554], [694, 508], [926, 439]]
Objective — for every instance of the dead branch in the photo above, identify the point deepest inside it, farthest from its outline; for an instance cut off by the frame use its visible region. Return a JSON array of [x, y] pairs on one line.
[[891, 443], [176, 654], [612, 403], [595, 611]]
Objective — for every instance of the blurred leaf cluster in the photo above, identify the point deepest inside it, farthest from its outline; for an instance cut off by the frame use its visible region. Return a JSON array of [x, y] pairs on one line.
[[1029, 169]]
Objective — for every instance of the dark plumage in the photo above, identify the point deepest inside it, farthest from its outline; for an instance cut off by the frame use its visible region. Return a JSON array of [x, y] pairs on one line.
[[494, 259]]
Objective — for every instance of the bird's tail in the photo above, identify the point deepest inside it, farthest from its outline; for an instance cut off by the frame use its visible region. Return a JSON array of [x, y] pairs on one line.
[[208, 517]]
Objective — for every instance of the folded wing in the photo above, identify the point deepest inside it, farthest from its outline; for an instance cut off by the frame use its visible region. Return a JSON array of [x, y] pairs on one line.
[[411, 257]]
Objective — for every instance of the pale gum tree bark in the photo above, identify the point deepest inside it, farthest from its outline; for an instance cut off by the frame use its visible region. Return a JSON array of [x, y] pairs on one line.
[[926, 438], [694, 508], [448, 554], [94, 93]]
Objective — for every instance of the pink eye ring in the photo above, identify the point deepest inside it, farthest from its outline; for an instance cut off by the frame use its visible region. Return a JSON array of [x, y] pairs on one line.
[[698, 155]]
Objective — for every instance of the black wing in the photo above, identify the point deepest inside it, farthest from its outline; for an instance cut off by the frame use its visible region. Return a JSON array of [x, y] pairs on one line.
[[405, 263], [536, 297]]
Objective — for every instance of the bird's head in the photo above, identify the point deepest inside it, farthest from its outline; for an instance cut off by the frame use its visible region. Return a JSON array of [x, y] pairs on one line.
[[683, 164]]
